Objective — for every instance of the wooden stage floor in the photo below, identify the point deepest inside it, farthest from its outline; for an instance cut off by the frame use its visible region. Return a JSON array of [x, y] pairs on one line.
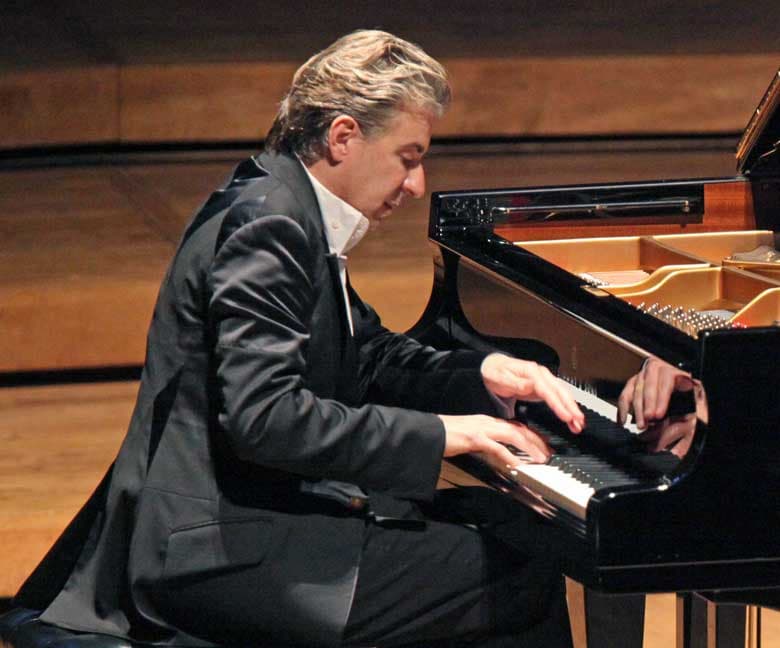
[[86, 240]]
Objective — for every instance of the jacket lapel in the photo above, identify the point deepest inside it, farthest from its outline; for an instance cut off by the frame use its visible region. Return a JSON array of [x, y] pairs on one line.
[[290, 171]]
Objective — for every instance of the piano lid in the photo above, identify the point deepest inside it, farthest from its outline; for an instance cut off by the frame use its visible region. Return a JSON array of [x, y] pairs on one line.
[[757, 151]]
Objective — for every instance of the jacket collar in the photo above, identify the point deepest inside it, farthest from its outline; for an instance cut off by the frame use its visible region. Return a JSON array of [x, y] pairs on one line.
[[289, 170]]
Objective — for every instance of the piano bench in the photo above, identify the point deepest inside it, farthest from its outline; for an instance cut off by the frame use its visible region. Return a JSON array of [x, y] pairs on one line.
[[20, 628]]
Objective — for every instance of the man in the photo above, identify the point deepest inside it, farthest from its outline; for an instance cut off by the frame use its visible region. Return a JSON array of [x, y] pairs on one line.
[[278, 480]]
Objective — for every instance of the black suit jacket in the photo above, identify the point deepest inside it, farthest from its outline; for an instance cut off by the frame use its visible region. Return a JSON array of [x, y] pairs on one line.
[[254, 390]]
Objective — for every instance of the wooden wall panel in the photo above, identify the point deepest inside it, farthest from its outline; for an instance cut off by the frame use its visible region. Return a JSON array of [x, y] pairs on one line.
[[78, 105], [207, 101], [57, 442], [75, 323], [605, 95], [501, 96], [497, 96], [80, 265]]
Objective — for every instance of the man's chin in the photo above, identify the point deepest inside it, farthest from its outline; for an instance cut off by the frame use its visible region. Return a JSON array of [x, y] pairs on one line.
[[380, 214]]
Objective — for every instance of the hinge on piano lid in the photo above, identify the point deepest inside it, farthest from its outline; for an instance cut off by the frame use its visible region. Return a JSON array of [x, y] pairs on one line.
[[608, 205], [674, 207]]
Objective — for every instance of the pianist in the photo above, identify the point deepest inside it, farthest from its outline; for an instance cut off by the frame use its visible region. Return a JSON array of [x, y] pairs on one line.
[[278, 479]]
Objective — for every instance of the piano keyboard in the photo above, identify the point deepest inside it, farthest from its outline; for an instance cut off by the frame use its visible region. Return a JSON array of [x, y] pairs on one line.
[[605, 454], [595, 404]]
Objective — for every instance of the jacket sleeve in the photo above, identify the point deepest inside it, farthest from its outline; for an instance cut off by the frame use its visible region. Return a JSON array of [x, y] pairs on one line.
[[261, 302], [397, 370]]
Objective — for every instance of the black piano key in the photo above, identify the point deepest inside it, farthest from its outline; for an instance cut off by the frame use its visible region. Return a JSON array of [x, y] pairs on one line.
[[593, 471], [604, 454]]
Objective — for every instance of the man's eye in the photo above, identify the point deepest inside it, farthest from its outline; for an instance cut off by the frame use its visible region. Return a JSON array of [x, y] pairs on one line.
[[411, 163]]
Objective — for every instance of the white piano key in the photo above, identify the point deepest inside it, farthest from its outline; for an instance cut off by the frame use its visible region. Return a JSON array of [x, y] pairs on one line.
[[606, 409], [555, 486]]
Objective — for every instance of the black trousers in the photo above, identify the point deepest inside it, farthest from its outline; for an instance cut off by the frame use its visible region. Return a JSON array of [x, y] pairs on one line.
[[481, 571], [472, 568]]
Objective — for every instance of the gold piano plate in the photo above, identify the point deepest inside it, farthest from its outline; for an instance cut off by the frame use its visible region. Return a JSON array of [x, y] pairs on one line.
[[704, 288], [764, 310], [685, 279], [771, 270], [716, 247], [729, 294], [635, 262]]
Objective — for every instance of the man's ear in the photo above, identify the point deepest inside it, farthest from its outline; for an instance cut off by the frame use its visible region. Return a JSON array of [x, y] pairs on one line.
[[341, 135]]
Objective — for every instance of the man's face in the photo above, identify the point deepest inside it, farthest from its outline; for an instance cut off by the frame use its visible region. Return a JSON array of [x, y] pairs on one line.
[[381, 170]]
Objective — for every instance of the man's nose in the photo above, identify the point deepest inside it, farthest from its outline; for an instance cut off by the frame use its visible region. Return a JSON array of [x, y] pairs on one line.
[[414, 184]]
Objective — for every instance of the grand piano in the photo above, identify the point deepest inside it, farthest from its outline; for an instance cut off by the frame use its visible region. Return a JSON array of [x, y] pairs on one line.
[[591, 280]]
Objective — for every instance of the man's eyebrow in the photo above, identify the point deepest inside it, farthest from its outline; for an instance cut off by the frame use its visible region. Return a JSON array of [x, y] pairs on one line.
[[417, 148]]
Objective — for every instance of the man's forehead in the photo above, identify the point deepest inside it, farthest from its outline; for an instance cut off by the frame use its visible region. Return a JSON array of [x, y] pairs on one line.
[[411, 130]]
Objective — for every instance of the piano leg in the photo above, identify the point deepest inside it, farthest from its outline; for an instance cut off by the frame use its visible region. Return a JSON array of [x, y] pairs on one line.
[[605, 620], [702, 623]]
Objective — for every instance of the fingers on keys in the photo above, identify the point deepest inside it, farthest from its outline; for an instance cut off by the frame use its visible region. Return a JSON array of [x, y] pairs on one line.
[[514, 443], [558, 398]]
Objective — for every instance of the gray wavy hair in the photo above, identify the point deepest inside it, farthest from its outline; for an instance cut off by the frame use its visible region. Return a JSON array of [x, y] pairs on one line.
[[369, 75]]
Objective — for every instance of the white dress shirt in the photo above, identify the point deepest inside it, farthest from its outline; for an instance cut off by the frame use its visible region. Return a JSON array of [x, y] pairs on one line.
[[344, 225]]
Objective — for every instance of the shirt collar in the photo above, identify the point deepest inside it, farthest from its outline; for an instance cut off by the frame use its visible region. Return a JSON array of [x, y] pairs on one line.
[[344, 225]]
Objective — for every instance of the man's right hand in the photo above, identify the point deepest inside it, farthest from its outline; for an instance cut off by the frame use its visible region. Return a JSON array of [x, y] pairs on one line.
[[489, 437], [646, 395]]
